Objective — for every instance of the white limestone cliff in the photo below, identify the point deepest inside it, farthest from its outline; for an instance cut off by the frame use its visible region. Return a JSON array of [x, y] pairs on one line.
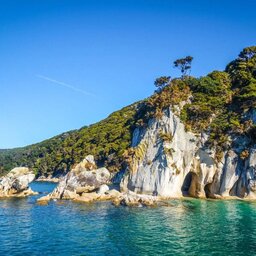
[[168, 161]]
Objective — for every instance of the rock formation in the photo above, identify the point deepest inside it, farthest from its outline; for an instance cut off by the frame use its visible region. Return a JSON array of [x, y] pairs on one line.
[[168, 161], [85, 182], [16, 183]]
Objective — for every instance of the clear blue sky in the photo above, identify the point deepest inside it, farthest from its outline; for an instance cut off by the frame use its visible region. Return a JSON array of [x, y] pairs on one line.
[[66, 64]]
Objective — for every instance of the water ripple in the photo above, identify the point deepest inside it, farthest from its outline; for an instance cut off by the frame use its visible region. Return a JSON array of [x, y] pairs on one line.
[[186, 227]]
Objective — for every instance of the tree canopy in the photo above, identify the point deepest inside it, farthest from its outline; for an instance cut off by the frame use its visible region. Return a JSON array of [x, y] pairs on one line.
[[161, 82], [184, 64]]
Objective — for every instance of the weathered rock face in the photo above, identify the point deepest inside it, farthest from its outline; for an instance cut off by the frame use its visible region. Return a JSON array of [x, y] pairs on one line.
[[84, 178], [170, 162], [16, 183], [159, 166]]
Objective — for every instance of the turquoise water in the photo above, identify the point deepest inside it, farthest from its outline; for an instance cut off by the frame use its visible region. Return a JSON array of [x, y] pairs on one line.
[[188, 227]]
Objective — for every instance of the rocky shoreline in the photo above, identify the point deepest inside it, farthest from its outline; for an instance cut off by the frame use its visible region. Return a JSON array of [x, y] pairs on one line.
[[87, 183], [117, 198]]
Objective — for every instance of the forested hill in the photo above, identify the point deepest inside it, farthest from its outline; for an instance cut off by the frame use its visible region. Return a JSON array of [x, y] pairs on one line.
[[106, 140], [221, 104]]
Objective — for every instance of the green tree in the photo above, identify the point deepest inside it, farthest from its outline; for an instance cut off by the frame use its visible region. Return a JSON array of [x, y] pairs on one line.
[[247, 53], [243, 69], [184, 65], [161, 82]]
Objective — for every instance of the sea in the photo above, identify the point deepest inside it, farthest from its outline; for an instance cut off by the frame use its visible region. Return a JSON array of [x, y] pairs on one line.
[[181, 227]]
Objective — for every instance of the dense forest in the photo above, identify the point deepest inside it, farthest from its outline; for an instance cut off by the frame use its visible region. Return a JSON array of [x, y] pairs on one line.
[[221, 104]]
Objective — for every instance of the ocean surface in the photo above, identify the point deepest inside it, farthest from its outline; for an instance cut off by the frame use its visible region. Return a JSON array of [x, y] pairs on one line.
[[186, 227]]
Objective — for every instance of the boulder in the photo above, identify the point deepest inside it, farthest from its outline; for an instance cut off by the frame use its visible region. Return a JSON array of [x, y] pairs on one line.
[[132, 199], [87, 197], [44, 199], [113, 193], [16, 183], [103, 189]]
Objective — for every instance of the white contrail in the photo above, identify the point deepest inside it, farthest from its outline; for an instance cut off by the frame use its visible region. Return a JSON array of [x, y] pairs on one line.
[[65, 85]]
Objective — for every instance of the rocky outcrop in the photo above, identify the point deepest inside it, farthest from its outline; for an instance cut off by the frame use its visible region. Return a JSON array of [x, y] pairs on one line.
[[84, 182], [168, 161], [159, 165], [16, 183]]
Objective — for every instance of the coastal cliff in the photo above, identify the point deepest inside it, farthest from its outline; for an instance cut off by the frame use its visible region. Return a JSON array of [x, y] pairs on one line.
[[168, 161]]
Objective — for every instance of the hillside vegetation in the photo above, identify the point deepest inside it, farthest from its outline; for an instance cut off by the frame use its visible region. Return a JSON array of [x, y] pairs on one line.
[[106, 140], [221, 104]]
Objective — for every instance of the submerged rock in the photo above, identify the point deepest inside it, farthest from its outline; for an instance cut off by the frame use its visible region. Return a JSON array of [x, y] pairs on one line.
[[16, 183], [132, 199]]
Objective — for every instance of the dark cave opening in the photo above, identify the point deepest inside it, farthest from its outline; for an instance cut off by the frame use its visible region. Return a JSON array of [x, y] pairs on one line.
[[186, 184], [207, 190]]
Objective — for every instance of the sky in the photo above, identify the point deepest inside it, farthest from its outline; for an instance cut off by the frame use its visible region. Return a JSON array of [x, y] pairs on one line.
[[65, 64]]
